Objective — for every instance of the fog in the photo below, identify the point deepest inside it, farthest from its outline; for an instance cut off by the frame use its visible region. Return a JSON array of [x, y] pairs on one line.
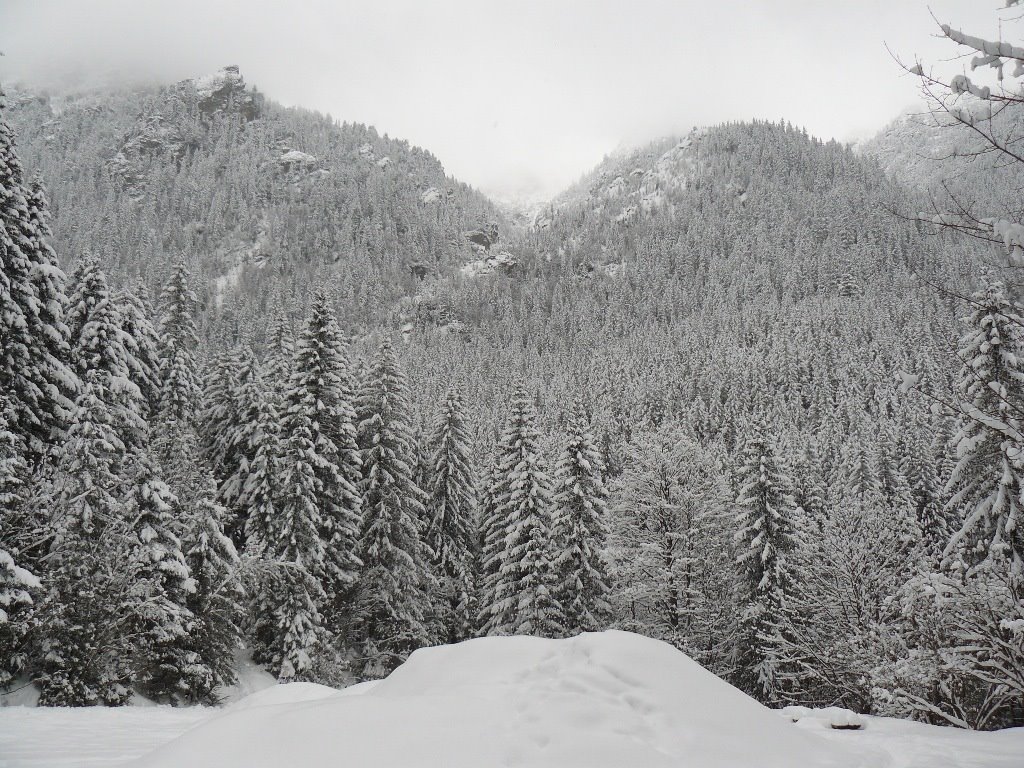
[[517, 98]]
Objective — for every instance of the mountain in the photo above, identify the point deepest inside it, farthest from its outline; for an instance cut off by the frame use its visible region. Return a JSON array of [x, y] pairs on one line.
[[250, 194], [950, 162]]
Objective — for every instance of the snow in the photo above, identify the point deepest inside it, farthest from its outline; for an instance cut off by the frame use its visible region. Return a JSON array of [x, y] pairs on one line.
[[431, 195], [207, 85], [88, 737], [502, 259], [602, 699], [296, 158]]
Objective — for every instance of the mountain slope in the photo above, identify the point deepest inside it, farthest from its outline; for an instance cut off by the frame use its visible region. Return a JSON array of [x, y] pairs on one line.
[[250, 194]]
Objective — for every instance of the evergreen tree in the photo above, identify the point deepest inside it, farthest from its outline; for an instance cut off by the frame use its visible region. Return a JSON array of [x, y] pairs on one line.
[[297, 546], [279, 356], [579, 533], [179, 381], [764, 538], [19, 305], [393, 598], [49, 351], [261, 493], [169, 669], [987, 478], [451, 526], [137, 323], [84, 621], [519, 601], [216, 601], [319, 399], [16, 583], [101, 353]]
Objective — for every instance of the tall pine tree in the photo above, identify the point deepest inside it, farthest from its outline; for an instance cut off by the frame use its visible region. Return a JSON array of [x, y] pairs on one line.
[[579, 533], [393, 600]]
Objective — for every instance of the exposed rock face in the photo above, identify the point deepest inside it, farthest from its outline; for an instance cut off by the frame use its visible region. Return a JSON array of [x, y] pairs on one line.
[[503, 261], [170, 128], [224, 91], [484, 237]]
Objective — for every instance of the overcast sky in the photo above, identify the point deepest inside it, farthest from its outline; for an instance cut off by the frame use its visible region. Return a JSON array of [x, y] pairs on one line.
[[517, 97]]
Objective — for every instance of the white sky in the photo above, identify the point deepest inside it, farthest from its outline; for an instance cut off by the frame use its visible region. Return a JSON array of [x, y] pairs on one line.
[[517, 97]]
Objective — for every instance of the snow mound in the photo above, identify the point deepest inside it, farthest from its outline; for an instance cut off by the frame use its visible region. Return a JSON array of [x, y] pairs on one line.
[[285, 693], [606, 699]]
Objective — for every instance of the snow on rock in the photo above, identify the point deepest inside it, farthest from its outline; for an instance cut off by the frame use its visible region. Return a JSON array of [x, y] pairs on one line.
[[294, 159], [501, 260], [627, 214], [604, 699], [836, 718], [223, 89], [432, 195]]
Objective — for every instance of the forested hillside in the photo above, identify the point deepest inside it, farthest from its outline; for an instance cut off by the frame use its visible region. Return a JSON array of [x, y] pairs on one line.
[[362, 419], [258, 200]]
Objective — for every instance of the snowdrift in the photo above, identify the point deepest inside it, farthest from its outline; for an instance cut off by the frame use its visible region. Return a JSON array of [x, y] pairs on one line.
[[605, 699]]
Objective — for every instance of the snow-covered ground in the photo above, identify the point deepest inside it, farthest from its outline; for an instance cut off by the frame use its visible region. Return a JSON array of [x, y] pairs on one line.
[[608, 699]]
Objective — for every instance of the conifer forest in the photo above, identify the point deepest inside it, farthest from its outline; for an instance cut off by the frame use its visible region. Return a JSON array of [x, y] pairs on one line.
[[275, 387]]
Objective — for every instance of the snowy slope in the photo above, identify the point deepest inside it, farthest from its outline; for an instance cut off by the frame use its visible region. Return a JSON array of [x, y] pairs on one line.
[[608, 699]]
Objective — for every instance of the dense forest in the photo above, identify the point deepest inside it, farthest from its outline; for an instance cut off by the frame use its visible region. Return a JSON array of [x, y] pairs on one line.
[[275, 382]]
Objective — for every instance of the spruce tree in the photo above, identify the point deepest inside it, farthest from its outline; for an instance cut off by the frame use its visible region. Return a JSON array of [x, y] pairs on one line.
[[17, 584], [764, 538], [217, 601], [179, 380], [49, 351], [319, 398], [297, 546], [393, 596], [579, 533], [519, 599], [86, 616], [986, 481], [137, 323], [19, 305], [101, 352], [169, 671], [450, 513]]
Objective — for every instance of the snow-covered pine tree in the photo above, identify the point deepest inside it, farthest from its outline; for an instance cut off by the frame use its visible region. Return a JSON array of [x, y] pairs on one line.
[[986, 482], [85, 619], [451, 527], [221, 416], [137, 323], [178, 376], [298, 548], [393, 591], [49, 351], [168, 670], [764, 538], [260, 490], [216, 602], [490, 536], [16, 582], [279, 355], [20, 378], [519, 601], [579, 532], [102, 353], [319, 396]]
